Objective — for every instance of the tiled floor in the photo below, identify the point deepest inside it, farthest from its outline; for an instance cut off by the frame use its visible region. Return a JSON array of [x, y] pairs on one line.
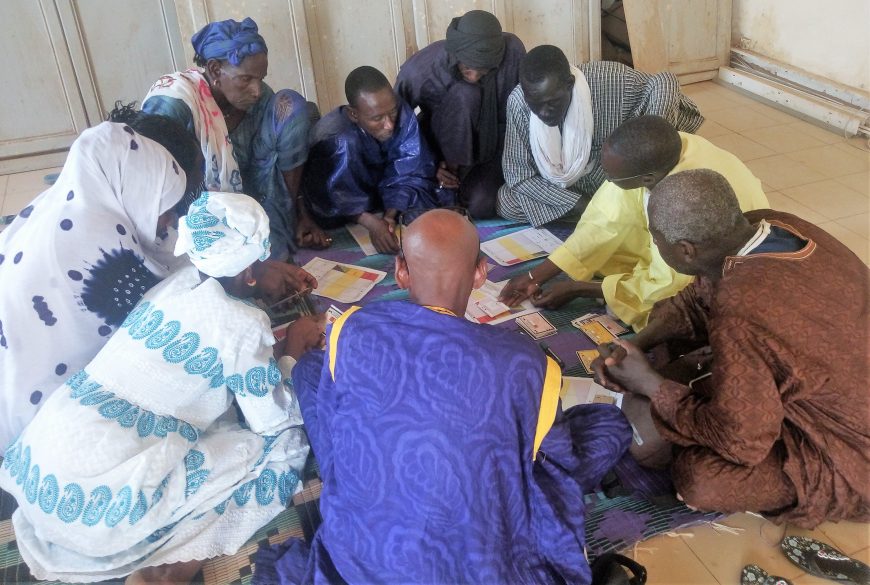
[[806, 170]]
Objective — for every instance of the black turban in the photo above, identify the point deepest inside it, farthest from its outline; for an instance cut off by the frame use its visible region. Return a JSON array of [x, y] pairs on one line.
[[476, 40]]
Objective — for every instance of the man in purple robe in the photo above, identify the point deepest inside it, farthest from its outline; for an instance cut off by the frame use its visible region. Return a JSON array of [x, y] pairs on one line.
[[445, 455], [367, 157], [461, 85]]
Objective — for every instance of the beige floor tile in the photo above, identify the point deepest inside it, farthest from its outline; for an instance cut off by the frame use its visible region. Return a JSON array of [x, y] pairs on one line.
[[781, 202], [780, 171], [773, 113], [858, 142], [830, 198], [725, 555], [848, 537], [3, 180], [741, 146], [741, 118], [859, 182], [782, 138], [860, 224], [710, 129], [670, 561], [15, 201], [710, 101], [823, 134], [833, 160], [699, 87], [31, 181], [859, 245]]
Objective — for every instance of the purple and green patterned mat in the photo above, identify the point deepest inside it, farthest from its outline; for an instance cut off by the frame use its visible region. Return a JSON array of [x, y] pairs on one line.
[[612, 523]]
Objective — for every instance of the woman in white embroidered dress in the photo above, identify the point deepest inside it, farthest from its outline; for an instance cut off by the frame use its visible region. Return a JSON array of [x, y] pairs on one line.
[[180, 439]]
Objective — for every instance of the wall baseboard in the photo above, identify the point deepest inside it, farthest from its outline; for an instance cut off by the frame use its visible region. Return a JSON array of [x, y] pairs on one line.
[[818, 100]]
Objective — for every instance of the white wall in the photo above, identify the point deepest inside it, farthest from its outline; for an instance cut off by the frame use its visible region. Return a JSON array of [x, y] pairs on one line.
[[829, 39]]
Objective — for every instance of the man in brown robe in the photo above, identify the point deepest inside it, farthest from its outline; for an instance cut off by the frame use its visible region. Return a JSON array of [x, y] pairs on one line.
[[776, 418]]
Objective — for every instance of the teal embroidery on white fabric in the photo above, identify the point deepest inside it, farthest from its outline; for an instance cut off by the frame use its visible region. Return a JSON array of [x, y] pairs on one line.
[[89, 393]]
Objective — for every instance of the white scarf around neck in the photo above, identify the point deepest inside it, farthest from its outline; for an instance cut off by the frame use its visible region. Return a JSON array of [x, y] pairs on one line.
[[562, 157]]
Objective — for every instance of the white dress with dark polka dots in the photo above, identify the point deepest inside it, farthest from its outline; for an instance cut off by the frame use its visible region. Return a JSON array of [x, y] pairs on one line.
[[76, 260]]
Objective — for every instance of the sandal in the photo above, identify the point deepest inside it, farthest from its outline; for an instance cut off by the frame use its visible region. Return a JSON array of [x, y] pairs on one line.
[[755, 575], [822, 560], [608, 569]]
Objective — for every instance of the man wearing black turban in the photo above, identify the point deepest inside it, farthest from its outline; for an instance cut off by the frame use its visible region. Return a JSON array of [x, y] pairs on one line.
[[461, 85]]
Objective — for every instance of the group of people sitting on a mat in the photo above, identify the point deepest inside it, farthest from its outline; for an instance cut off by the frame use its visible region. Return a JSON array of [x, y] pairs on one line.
[[150, 420]]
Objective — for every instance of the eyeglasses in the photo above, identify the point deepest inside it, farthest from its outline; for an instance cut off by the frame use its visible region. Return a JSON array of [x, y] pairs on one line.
[[621, 179], [405, 218]]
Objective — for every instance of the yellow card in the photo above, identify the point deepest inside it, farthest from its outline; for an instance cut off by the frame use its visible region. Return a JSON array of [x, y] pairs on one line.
[[597, 332], [587, 356]]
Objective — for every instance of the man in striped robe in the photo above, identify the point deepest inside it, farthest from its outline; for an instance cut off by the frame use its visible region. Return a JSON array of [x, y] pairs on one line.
[[553, 141]]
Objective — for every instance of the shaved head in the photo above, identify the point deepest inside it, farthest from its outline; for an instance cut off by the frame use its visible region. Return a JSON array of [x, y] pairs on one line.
[[440, 265]]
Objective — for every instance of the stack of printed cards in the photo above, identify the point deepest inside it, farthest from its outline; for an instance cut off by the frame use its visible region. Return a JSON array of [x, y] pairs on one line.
[[585, 391], [536, 325], [599, 328], [332, 314], [586, 357]]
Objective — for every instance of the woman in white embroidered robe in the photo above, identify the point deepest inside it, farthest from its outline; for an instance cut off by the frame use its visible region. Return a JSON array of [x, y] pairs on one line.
[[180, 439]]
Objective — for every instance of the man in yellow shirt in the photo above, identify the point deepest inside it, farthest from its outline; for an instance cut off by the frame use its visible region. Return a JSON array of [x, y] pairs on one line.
[[612, 237]]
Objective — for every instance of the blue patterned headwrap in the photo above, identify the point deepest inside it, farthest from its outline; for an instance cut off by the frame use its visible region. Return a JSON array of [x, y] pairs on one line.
[[223, 233], [228, 40]]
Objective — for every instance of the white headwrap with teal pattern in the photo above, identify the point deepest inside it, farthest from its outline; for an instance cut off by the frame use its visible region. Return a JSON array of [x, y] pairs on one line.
[[223, 233]]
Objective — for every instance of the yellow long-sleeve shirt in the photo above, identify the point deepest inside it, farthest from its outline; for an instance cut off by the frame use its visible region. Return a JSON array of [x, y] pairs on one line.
[[612, 237]]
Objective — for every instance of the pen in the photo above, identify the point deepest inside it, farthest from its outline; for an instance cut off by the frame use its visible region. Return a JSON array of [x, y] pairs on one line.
[[552, 354]]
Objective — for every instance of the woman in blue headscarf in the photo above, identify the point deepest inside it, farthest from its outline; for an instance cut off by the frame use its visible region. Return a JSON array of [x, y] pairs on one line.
[[254, 140]]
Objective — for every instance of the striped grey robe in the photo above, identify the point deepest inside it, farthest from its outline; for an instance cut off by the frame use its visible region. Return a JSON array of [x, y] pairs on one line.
[[618, 93]]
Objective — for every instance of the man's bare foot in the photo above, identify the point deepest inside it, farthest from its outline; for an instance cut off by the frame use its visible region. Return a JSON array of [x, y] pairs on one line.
[[174, 574]]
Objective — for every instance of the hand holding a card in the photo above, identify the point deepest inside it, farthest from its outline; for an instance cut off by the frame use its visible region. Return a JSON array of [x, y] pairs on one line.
[[622, 367], [304, 334], [276, 280]]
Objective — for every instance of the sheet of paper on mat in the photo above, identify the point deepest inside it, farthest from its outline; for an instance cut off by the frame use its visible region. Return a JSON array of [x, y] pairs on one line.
[[485, 308], [362, 237], [521, 246], [585, 391], [344, 283]]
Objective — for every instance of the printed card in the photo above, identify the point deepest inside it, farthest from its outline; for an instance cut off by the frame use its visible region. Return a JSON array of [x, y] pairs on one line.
[[606, 321], [596, 332], [492, 307], [587, 356], [536, 325], [280, 332], [332, 314]]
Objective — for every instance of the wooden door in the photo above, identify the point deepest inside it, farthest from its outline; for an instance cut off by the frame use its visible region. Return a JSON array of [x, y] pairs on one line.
[[121, 61], [690, 38], [42, 110]]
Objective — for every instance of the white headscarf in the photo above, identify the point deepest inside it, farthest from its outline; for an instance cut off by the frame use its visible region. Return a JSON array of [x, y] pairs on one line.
[[563, 157], [71, 263], [224, 233]]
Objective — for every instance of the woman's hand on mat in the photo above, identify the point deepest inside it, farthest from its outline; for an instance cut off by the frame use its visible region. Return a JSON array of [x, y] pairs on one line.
[[623, 366], [304, 334], [310, 235], [276, 280], [446, 176], [555, 295]]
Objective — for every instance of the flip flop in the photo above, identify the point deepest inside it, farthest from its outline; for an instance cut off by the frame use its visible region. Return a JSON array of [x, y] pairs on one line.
[[822, 560], [755, 575]]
